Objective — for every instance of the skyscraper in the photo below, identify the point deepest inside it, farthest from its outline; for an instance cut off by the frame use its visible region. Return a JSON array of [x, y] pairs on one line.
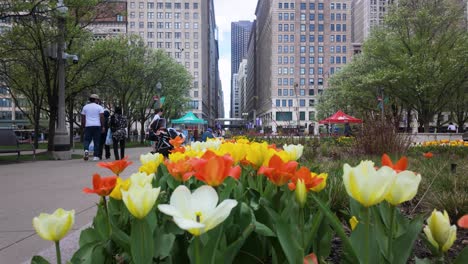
[[187, 32], [300, 44], [240, 32]]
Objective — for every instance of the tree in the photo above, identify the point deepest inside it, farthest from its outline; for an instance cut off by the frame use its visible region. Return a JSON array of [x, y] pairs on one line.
[[421, 55]]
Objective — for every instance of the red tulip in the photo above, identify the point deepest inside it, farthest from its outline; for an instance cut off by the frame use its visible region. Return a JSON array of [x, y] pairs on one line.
[[463, 222], [116, 166], [428, 155], [213, 170], [102, 186], [278, 171], [399, 166]]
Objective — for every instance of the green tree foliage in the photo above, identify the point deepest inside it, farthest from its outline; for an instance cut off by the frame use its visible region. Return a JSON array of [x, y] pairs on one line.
[[419, 58]]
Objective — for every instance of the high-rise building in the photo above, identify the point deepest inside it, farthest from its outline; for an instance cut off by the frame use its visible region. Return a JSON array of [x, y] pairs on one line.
[[186, 30], [300, 44], [240, 33], [235, 97], [367, 14], [242, 83]]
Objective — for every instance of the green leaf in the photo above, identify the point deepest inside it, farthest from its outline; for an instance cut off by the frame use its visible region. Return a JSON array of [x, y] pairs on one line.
[[293, 251], [233, 249], [403, 245], [423, 261], [350, 254], [101, 223], [84, 254], [142, 243], [39, 260], [263, 230], [163, 243], [462, 258], [120, 238], [89, 235]]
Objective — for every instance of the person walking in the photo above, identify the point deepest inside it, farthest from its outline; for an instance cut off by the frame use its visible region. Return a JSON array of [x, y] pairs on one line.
[[118, 126], [451, 128], [102, 145], [158, 112], [207, 134], [92, 119]]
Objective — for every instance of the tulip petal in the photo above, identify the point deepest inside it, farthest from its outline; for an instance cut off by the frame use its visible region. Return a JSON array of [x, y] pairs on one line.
[[193, 227], [204, 199], [219, 214], [170, 210], [180, 199]]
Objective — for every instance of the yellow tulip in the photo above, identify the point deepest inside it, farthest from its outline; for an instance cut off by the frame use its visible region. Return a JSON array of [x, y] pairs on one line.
[[257, 153], [439, 232], [54, 226], [301, 192], [140, 199], [367, 185], [404, 188], [353, 222], [323, 184], [141, 179], [119, 186], [150, 162]]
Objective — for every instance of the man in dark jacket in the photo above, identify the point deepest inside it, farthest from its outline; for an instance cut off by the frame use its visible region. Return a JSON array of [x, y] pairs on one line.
[[207, 134], [102, 144]]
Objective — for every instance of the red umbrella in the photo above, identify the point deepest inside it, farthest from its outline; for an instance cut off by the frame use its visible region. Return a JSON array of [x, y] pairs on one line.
[[340, 118]]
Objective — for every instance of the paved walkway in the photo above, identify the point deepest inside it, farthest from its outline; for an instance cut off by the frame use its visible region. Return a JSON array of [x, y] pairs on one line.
[[29, 188]]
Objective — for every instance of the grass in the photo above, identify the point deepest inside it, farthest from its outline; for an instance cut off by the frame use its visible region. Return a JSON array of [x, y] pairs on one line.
[[6, 159]]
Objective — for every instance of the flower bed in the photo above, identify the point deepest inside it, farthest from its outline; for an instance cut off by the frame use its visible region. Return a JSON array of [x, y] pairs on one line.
[[241, 201]]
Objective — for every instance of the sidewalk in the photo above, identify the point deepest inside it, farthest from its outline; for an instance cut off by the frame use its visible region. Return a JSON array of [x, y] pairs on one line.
[[30, 188]]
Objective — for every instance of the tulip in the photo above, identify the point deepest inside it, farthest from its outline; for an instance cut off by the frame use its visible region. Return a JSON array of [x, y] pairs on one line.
[[428, 155], [256, 154], [141, 178], [102, 186], [213, 170], [311, 259], [400, 165], [54, 226], [303, 181], [197, 212], [322, 184], [367, 185], [278, 171], [140, 199], [150, 162], [177, 141], [439, 232], [463, 221], [353, 222], [181, 169], [116, 166], [119, 186], [294, 151], [404, 188]]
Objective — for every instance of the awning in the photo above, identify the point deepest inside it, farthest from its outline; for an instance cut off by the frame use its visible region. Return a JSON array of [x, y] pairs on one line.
[[189, 119], [340, 118]]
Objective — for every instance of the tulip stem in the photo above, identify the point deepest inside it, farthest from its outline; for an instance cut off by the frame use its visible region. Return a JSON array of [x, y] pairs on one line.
[[390, 235], [57, 251], [197, 250], [367, 225], [104, 202], [301, 225]]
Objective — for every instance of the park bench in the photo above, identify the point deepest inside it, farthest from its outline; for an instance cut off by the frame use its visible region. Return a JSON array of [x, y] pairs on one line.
[[9, 140]]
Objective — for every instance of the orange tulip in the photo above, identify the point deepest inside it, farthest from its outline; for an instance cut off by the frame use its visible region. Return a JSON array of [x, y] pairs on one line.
[[102, 186], [399, 166], [213, 170], [310, 179], [428, 155], [463, 222], [181, 170], [177, 141], [116, 166], [311, 259], [278, 171]]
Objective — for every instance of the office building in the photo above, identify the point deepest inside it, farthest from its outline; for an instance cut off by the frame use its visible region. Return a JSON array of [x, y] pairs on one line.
[[186, 30], [300, 44], [240, 33]]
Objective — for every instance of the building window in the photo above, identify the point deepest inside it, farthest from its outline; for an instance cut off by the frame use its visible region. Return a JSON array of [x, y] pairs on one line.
[[177, 5], [195, 5], [159, 5], [278, 103], [311, 92], [132, 4], [141, 5], [302, 102], [312, 6], [168, 5], [311, 115], [187, 5]]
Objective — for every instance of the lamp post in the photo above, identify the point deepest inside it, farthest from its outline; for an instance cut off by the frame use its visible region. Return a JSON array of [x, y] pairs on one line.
[[158, 94], [61, 139]]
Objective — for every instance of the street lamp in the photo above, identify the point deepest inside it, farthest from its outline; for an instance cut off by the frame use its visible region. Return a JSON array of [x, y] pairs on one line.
[[158, 94], [61, 139]]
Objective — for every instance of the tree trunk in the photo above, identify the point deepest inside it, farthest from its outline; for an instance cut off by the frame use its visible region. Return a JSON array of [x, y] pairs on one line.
[[70, 120], [52, 127], [36, 118], [408, 120], [426, 126], [142, 130]]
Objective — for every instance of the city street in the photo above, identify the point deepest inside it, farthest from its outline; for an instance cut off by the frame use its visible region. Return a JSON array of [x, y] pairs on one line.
[[30, 188]]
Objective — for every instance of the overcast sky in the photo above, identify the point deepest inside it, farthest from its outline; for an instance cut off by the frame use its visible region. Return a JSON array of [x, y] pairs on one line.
[[228, 11]]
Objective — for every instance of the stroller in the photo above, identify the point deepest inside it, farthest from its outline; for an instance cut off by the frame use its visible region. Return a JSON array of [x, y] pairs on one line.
[[162, 144]]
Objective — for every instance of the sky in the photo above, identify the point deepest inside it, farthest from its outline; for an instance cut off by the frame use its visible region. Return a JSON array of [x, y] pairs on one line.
[[227, 11]]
